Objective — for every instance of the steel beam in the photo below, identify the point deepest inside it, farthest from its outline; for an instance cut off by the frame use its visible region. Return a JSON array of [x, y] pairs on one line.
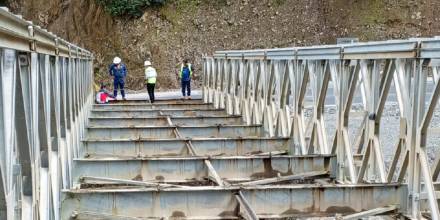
[[151, 132], [162, 120], [176, 147], [370, 213], [370, 68], [220, 203], [46, 97], [23, 35], [155, 113], [184, 169], [158, 106], [245, 209], [31, 126]]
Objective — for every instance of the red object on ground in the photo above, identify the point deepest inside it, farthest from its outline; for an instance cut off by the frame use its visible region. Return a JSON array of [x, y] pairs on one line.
[[103, 97]]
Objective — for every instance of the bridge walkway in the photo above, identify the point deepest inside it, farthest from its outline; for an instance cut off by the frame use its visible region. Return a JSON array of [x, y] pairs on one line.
[[186, 159]]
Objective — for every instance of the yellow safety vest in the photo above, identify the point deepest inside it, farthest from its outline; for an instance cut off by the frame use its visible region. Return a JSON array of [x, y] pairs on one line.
[[150, 75]]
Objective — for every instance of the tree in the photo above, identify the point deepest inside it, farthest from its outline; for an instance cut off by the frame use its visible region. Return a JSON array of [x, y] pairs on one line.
[[131, 8]]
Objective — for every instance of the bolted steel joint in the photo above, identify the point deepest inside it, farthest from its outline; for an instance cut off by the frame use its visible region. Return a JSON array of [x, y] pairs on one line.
[[32, 43], [57, 44]]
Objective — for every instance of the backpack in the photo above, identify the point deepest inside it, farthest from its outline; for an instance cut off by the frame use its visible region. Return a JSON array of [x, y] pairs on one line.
[[186, 72]]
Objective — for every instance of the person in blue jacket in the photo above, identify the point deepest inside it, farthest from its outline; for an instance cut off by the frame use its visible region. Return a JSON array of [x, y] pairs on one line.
[[185, 74], [119, 72]]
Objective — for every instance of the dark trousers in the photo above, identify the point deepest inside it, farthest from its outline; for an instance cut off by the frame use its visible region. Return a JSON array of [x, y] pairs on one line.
[[150, 88], [186, 87], [118, 83]]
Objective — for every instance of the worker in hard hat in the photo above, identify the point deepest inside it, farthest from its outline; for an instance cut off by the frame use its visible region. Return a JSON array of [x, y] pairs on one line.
[[119, 72], [150, 78], [185, 75]]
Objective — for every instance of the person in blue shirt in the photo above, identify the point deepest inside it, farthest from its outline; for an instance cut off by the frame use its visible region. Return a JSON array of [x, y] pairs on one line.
[[185, 74], [119, 71]]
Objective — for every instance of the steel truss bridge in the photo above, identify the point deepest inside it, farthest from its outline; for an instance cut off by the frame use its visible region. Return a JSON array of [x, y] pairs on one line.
[[255, 147]]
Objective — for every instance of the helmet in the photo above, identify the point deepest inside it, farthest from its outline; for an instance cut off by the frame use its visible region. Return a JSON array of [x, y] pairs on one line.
[[147, 63], [117, 60]]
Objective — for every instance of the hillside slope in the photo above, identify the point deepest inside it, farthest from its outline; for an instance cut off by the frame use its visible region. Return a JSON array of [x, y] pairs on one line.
[[189, 28]]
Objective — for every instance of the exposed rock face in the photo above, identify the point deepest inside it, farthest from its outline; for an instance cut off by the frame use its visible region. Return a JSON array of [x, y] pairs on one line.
[[189, 28]]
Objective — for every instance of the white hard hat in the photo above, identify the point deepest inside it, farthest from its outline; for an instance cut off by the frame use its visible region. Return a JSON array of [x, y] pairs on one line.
[[117, 60], [147, 63]]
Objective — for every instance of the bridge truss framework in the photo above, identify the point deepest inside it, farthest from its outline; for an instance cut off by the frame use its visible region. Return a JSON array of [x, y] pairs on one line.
[[269, 87], [46, 94]]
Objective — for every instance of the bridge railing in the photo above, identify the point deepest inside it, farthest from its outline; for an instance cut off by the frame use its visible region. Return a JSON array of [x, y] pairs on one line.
[[286, 90], [45, 93]]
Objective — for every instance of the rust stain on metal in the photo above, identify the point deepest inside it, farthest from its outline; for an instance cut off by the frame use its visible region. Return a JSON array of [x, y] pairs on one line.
[[114, 205], [269, 172], [189, 113], [178, 214], [230, 213], [160, 178], [138, 178], [240, 145], [340, 209], [256, 152], [292, 211], [166, 155], [195, 182]]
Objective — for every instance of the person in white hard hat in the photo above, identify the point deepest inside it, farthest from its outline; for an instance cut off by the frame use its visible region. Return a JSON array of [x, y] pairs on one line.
[[150, 78], [119, 72]]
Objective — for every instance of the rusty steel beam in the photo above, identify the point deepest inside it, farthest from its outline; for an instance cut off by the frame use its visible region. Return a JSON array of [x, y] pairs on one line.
[[187, 169], [220, 203], [162, 120], [151, 132], [370, 213], [175, 147]]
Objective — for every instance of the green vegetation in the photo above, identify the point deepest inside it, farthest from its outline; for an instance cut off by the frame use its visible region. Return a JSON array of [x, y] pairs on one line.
[[130, 8], [136, 8], [169, 14], [187, 5], [176, 9], [218, 4], [371, 12], [279, 2]]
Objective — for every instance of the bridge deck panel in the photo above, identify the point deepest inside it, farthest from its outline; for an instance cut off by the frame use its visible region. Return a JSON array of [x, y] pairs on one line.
[[212, 203], [170, 147]]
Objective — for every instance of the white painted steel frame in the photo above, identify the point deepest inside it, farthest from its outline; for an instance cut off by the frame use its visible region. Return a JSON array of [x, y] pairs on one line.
[[45, 96], [269, 87]]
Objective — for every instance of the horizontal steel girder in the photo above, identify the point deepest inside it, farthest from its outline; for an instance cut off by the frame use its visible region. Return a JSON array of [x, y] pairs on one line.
[[220, 203], [152, 113], [186, 169], [162, 121], [177, 147], [108, 133], [160, 106]]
